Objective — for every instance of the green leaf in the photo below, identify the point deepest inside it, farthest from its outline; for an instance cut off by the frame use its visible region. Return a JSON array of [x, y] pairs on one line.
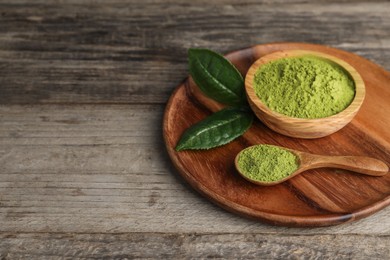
[[216, 77], [218, 129]]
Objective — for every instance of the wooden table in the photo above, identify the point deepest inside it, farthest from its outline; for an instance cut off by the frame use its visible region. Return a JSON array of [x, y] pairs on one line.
[[83, 167]]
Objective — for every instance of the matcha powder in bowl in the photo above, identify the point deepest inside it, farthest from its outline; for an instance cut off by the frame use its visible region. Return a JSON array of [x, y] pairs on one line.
[[304, 87]]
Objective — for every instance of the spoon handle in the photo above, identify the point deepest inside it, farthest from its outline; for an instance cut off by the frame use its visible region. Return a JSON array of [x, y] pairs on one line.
[[360, 164]]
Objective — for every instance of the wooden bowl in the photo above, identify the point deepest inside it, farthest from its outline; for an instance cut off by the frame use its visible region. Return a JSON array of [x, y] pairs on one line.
[[302, 127]]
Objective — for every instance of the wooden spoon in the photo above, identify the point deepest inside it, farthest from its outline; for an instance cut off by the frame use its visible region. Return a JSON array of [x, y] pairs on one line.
[[307, 161]]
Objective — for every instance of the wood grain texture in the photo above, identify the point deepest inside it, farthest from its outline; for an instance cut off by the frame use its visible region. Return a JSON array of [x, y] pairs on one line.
[[356, 164], [104, 169], [132, 52], [197, 246], [94, 181], [314, 198]]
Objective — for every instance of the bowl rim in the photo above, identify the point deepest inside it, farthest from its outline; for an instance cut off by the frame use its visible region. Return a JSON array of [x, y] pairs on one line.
[[352, 108]]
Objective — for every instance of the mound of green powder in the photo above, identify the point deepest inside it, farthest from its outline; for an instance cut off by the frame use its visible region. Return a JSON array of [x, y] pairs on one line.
[[267, 163], [304, 87]]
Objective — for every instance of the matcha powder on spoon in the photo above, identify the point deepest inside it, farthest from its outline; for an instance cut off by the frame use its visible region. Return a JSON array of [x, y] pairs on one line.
[[267, 163], [304, 87]]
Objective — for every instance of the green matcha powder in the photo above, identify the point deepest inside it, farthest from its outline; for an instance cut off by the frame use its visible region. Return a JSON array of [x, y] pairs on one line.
[[267, 163], [304, 87]]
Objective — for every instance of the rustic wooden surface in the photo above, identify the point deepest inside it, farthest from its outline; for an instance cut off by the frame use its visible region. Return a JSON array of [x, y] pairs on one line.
[[319, 197], [83, 86]]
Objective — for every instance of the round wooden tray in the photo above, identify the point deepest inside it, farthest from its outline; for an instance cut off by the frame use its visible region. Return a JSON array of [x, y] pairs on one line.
[[320, 197]]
